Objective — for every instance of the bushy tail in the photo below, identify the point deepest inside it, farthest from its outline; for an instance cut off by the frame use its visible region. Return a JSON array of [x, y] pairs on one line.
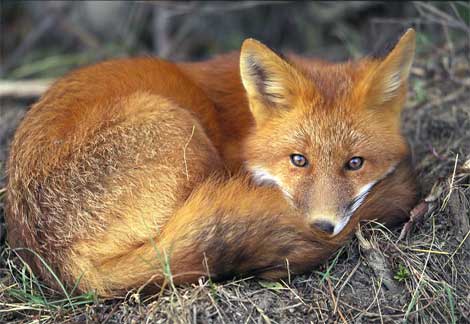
[[224, 229]]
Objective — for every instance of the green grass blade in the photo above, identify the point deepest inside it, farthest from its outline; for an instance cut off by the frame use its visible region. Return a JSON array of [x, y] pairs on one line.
[[56, 278]]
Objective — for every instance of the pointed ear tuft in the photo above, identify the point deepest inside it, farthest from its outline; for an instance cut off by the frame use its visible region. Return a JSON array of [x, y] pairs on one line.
[[391, 76], [268, 79]]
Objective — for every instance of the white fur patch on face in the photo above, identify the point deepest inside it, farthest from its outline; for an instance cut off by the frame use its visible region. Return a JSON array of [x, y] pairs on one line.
[[339, 227], [357, 202], [263, 177], [360, 196], [359, 199]]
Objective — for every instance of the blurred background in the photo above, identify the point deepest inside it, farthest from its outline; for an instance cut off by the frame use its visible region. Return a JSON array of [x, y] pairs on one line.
[[44, 39]]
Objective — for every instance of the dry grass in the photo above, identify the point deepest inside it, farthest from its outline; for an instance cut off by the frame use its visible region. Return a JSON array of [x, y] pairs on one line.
[[422, 278]]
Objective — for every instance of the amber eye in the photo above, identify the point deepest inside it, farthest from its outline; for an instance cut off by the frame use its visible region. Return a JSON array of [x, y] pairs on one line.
[[355, 163], [298, 160]]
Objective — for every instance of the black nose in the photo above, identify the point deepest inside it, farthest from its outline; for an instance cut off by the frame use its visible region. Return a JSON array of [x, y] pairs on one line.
[[325, 226]]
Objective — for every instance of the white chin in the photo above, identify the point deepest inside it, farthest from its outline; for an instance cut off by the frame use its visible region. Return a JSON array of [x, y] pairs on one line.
[[341, 225]]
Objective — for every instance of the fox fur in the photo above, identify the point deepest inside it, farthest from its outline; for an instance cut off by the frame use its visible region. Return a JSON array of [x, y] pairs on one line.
[[133, 172]]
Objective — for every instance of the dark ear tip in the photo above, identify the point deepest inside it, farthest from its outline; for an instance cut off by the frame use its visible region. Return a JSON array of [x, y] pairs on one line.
[[249, 42], [250, 39], [381, 52], [408, 40], [409, 34]]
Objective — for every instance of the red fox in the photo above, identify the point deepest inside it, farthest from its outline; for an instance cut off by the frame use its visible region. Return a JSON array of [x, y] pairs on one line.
[[132, 172]]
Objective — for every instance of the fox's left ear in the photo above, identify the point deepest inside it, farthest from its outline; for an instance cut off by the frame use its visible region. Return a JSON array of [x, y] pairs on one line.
[[388, 82], [269, 80]]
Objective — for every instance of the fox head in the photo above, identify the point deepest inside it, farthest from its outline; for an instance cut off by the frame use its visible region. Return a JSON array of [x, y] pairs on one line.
[[326, 134]]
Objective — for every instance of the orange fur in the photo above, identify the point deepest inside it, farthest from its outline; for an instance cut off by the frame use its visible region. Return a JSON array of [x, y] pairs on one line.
[[127, 166]]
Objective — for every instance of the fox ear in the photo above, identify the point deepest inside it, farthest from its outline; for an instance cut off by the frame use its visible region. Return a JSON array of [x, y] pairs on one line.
[[389, 80], [268, 79]]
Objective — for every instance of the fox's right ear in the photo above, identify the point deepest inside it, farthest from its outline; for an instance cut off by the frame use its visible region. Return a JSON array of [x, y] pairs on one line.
[[268, 79], [389, 80]]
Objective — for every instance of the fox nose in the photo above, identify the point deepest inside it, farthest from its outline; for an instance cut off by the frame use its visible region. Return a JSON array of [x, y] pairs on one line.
[[325, 226]]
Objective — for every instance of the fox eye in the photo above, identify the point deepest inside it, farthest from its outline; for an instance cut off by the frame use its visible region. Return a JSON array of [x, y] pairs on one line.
[[355, 163], [298, 160]]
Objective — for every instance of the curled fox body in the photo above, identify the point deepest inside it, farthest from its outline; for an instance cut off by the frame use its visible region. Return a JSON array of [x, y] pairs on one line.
[[223, 167]]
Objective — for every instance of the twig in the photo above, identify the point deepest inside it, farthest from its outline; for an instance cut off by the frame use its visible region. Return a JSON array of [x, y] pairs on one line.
[[346, 281], [458, 248], [415, 294], [260, 311], [335, 302], [113, 310], [177, 9], [376, 298], [24, 88], [451, 185], [437, 15], [425, 207], [184, 153], [376, 261], [338, 294], [294, 293], [389, 316]]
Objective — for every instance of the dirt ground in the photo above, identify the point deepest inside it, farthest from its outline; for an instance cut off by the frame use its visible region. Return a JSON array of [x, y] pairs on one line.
[[376, 278]]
